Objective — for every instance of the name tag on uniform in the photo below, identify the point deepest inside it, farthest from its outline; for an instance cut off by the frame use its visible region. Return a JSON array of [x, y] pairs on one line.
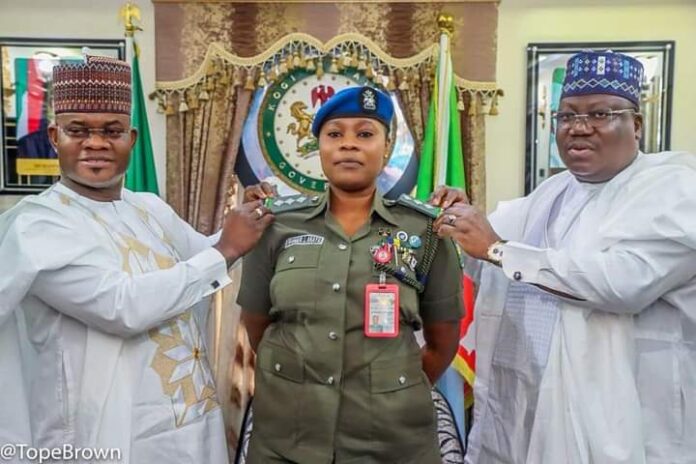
[[308, 239], [381, 310]]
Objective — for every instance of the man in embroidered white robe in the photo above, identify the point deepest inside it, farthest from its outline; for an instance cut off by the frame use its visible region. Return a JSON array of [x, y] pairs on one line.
[[586, 316], [100, 337]]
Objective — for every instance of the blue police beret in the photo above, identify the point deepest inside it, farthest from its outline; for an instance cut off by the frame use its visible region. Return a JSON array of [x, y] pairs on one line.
[[591, 72], [355, 102]]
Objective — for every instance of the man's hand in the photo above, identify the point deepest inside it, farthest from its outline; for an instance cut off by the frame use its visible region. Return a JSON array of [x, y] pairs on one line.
[[242, 230], [259, 192], [444, 197], [469, 227]]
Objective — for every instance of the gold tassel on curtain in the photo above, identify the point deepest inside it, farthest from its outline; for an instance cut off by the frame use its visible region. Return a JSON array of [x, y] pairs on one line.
[[183, 107], [249, 83], [494, 104]]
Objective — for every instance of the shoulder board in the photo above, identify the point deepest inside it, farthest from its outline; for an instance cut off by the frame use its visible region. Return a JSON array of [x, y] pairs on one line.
[[291, 203], [418, 205]]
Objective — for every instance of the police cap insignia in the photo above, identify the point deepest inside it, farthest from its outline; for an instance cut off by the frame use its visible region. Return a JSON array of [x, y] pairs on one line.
[[368, 100]]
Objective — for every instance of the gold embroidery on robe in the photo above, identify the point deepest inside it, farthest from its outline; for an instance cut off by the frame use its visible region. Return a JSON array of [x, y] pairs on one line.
[[181, 362], [181, 359]]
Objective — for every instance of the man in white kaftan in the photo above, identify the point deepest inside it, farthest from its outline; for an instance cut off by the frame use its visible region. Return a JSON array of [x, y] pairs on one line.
[[586, 313], [102, 297]]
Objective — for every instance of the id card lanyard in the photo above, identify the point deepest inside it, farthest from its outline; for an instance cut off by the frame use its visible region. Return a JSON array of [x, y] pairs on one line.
[[381, 309]]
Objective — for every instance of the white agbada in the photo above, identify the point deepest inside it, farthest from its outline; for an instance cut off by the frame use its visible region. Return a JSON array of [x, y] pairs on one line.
[[100, 341], [610, 378]]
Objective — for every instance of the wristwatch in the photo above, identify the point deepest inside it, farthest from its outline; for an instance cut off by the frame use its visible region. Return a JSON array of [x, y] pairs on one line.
[[495, 252]]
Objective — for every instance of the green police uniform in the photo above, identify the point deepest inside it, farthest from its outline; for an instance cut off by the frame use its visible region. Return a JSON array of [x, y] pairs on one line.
[[324, 391]]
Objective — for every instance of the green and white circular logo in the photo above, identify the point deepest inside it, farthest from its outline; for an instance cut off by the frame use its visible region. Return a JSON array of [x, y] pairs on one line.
[[285, 124]]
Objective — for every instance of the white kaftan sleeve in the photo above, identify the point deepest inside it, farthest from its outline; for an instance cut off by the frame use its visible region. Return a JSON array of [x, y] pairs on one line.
[[76, 273], [645, 248]]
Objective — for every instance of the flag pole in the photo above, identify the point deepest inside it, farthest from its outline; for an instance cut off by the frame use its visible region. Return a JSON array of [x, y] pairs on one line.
[[445, 23], [451, 384], [141, 175]]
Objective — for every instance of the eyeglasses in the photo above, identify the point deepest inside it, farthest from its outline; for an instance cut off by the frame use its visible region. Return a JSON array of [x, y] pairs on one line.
[[83, 133], [596, 119]]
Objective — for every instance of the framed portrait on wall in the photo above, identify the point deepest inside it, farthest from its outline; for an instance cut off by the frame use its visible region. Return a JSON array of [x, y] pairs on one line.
[[545, 73], [28, 163]]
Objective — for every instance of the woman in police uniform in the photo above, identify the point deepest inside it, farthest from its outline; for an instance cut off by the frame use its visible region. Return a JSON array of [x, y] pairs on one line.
[[331, 298]]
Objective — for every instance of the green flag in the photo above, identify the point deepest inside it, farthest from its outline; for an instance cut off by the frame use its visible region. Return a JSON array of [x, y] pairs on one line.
[[442, 162], [141, 175], [425, 186], [442, 141]]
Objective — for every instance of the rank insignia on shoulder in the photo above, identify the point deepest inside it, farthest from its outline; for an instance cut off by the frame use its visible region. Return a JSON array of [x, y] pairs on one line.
[[418, 205], [290, 203]]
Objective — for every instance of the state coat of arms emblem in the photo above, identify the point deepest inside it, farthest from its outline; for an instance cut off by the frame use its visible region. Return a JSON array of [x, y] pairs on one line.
[[285, 123], [277, 141]]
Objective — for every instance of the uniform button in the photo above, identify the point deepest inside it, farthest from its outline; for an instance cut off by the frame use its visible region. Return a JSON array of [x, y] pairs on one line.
[[291, 259], [336, 287], [342, 246], [402, 380], [333, 335], [215, 284], [330, 380], [277, 367], [517, 275]]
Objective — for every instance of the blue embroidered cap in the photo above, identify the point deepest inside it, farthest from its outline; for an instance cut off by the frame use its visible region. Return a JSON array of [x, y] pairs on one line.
[[610, 73], [355, 102]]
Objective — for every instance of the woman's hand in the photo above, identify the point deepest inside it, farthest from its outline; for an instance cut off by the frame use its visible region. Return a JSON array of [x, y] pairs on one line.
[[255, 323]]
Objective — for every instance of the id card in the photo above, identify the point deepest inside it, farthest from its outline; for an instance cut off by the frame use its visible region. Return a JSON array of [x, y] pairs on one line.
[[381, 310]]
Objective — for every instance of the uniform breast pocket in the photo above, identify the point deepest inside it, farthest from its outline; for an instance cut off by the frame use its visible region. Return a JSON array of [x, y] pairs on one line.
[[294, 282]]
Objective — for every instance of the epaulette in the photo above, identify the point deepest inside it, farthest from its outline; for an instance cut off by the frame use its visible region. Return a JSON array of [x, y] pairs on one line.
[[420, 206], [291, 203]]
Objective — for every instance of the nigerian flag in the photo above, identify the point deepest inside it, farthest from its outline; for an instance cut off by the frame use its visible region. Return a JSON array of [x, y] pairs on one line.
[[141, 175], [442, 163]]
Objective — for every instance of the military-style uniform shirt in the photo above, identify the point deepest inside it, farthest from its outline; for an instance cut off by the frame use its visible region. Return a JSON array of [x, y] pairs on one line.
[[325, 392]]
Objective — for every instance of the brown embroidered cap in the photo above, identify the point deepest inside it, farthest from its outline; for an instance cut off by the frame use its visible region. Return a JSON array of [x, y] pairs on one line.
[[98, 85]]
